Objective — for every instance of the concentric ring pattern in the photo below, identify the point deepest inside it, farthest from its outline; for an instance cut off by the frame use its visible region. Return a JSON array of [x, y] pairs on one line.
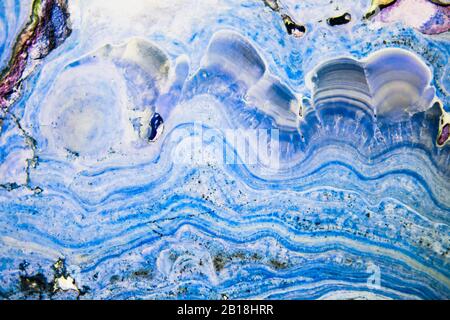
[[129, 167]]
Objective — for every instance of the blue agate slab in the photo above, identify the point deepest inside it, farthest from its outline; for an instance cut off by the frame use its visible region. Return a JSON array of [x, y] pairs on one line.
[[224, 149]]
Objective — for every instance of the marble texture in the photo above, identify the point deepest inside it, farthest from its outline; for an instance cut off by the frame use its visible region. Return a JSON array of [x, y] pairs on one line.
[[115, 115]]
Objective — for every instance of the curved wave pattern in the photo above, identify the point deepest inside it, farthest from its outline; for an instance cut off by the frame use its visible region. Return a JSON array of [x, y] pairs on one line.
[[112, 186]]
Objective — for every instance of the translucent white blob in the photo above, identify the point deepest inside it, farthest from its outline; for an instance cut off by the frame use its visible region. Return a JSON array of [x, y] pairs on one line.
[[83, 111]]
